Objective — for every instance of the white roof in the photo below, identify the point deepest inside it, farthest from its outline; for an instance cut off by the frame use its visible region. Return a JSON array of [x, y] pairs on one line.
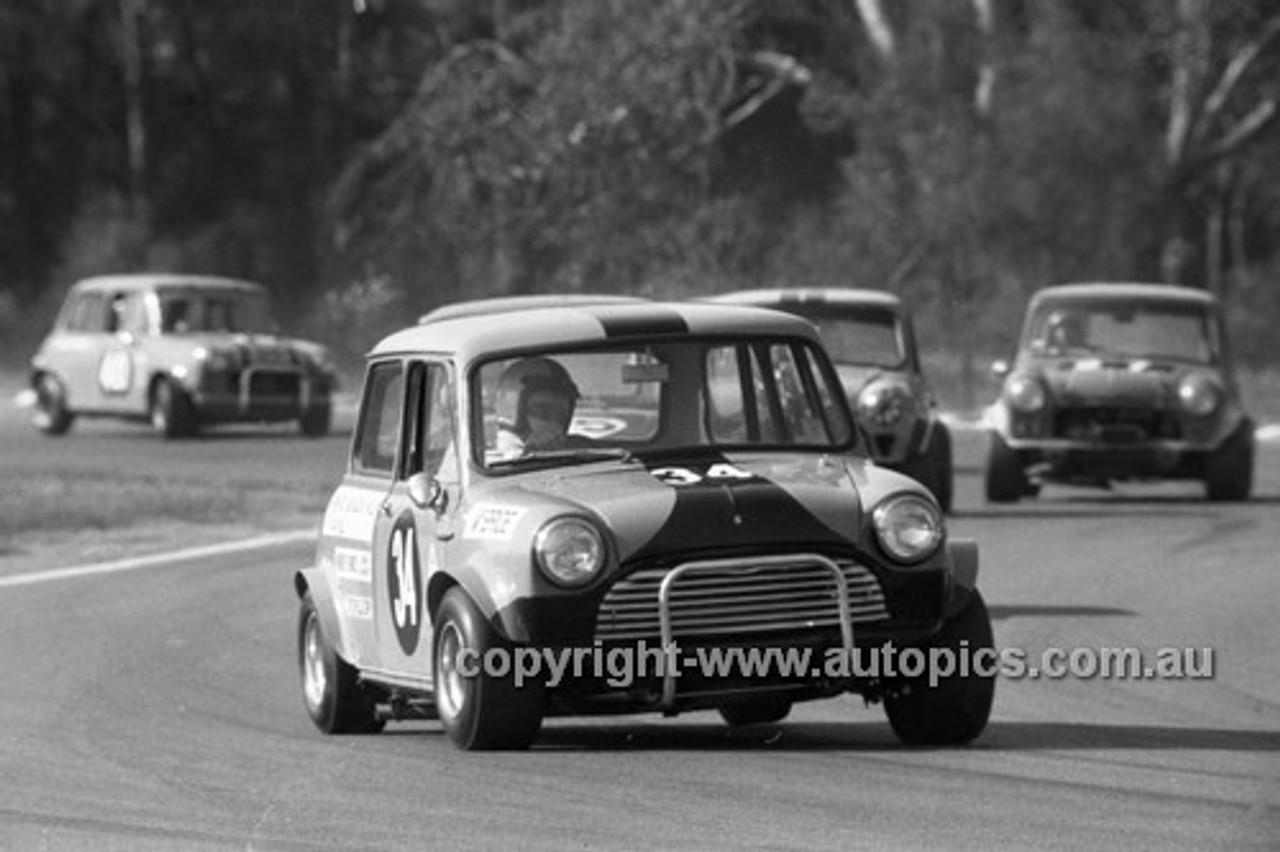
[[529, 328]]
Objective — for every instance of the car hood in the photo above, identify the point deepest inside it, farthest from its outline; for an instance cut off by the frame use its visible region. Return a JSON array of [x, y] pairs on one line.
[[1137, 383], [258, 349], [655, 509], [855, 377]]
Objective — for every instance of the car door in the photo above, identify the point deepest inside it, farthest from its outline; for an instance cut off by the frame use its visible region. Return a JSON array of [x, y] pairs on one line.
[[121, 370], [75, 349], [414, 521]]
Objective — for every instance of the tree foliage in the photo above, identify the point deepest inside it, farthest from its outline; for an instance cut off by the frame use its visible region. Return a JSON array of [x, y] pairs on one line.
[[370, 159]]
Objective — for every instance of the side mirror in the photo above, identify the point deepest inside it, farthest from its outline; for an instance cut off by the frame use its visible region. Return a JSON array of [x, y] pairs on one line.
[[1000, 368], [426, 492]]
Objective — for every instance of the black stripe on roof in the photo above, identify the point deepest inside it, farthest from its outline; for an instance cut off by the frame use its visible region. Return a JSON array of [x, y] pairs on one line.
[[631, 321]]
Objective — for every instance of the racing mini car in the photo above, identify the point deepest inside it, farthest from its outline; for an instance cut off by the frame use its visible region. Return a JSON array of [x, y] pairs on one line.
[[870, 336], [1115, 382], [180, 351], [535, 497]]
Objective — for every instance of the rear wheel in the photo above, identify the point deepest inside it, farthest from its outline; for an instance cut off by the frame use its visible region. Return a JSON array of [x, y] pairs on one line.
[[956, 709], [50, 414], [172, 414], [758, 711], [480, 710], [330, 689], [1228, 473], [1006, 481]]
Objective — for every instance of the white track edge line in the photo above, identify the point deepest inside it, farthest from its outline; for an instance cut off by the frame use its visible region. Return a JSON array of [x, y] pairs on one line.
[[118, 565]]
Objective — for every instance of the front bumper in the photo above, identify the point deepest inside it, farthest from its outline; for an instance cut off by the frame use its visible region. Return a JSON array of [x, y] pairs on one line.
[[259, 394], [804, 600]]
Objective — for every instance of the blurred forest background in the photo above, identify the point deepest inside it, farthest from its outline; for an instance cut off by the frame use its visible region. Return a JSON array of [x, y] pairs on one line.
[[371, 159]]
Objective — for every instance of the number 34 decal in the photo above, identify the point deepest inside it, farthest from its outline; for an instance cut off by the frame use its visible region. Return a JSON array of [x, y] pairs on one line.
[[404, 583], [678, 476]]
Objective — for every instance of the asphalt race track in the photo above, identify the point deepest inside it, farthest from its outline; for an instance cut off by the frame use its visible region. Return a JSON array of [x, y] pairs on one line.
[[158, 708]]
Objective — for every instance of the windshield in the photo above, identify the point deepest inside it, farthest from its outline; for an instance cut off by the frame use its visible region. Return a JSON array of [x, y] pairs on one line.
[[863, 335], [1128, 329], [183, 311], [558, 406]]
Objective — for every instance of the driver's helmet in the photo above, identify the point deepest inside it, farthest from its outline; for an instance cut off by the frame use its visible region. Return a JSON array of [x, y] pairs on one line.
[[1066, 330], [522, 379]]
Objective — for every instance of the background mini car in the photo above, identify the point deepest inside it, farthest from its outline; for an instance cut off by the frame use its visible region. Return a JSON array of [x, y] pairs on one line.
[[1120, 381], [181, 351], [611, 479], [870, 336]]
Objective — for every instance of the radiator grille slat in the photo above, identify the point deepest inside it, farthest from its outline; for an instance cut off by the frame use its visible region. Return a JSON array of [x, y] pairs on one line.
[[739, 600]]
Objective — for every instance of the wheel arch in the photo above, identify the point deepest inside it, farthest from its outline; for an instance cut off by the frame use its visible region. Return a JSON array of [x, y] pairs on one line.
[[314, 581]]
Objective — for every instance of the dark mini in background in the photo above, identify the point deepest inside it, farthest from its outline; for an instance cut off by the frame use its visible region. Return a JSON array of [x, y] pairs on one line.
[[180, 351], [607, 481], [870, 336], [1115, 382]]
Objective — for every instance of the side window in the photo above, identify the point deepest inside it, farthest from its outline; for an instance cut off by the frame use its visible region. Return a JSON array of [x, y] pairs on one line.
[[88, 313], [726, 412], [378, 432], [175, 316], [131, 313], [797, 395], [441, 432], [738, 399], [771, 393], [431, 448]]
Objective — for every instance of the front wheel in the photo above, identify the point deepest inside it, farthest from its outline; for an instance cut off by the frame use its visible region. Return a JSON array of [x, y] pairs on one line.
[[1228, 472], [331, 691], [1006, 481], [956, 708], [172, 414], [51, 415], [479, 702]]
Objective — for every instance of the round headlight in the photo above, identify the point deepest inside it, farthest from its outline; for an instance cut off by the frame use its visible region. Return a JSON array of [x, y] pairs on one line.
[[569, 551], [884, 403], [1199, 395], [909, 527], [1025, 393]]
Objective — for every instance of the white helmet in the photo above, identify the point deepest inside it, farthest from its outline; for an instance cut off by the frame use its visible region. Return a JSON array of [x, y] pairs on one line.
[[523, 378]]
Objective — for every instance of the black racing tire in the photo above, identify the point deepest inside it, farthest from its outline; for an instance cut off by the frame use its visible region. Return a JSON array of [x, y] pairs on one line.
[[331, 691], [956, 709], [757, 711], [480, 711], [1005, 479], [171, 412], [933, 467], [1228, 471], [316, 421], [50, 413]]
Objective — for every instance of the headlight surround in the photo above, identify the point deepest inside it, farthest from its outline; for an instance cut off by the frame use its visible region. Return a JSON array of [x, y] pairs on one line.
[[884, 403], [569, 551], [909, 527], [1199, 395], [1025, 393]]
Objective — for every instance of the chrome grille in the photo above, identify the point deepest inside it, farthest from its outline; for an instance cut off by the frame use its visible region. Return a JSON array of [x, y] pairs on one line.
[[742, 599], [272, 384]]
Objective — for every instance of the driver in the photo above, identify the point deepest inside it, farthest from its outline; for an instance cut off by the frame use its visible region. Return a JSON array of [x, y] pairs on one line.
[[534, 402], [1066, 331]]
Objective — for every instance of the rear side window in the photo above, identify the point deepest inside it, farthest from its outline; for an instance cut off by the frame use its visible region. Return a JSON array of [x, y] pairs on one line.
[[378, 431]]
